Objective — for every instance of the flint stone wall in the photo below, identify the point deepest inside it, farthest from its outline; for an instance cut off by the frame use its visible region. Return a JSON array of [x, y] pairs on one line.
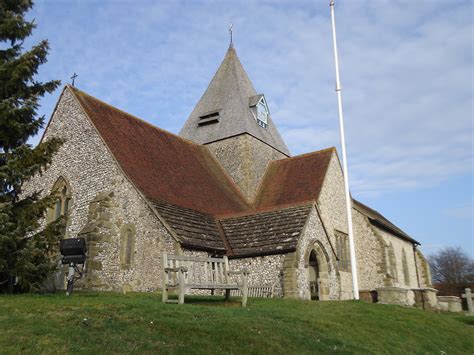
[[245, 159], [398, 246], [370, 252], [264, 271], [332, 201], [84, 161]]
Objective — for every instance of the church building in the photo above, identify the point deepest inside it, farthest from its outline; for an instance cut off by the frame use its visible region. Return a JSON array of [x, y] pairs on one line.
[[226, 185]]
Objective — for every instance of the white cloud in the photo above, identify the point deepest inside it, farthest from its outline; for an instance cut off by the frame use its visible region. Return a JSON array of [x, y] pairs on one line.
[[406, 72]]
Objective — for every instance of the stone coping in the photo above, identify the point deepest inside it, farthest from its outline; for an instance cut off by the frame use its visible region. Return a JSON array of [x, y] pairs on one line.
[[425, 289], [449, 299], [392, 288]]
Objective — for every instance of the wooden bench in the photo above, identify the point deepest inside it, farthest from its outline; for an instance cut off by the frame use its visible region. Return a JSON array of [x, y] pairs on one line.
[[262, 291], [183, 273]]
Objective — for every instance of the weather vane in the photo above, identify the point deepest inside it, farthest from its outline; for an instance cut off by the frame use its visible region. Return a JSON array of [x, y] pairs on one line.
[[73, 77], [230, 33]]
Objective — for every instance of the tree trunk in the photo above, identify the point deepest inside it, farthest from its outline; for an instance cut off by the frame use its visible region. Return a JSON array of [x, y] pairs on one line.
[[11, 279]]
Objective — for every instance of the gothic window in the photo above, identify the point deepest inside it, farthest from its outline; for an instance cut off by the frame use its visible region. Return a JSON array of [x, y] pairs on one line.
[[127, 247], [62, 192], [406, 273], [342, 250]]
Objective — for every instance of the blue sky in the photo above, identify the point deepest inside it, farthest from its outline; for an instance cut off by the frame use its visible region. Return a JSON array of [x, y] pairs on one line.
[[406, 71]]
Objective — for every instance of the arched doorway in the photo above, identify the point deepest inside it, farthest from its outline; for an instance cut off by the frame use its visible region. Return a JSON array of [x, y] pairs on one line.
[[317, 263], [314, 280]]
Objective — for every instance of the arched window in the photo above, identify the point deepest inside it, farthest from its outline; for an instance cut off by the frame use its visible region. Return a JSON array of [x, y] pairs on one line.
[[127, 247], [62, 191], [342, 250], [406, 272]]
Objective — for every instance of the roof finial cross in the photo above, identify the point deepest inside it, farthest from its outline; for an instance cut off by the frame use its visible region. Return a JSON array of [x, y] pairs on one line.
[[230, 33], [73, 77]]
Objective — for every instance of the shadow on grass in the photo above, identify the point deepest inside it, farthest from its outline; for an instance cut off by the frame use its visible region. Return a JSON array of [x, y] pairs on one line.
[[211, 301], [469, 320], [86, 294]]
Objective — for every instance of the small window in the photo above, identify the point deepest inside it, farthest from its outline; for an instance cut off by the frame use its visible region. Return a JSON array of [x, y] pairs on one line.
[[342, 250], [208, 118], [127, 247]]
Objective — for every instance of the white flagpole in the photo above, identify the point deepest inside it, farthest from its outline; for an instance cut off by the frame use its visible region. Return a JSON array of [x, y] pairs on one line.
[[355, 283]]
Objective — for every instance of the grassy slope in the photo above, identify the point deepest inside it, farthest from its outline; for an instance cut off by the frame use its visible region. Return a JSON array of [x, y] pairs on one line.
[[122, 324]]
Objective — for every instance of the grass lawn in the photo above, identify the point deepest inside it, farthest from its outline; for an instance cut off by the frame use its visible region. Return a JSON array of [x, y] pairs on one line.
[[140, 323]]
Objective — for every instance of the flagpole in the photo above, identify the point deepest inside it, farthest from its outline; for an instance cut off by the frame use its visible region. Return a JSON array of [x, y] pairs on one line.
[[355, 283]]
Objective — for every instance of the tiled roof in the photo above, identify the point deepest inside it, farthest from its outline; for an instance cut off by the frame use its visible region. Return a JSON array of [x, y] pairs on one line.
[[380, 221], [163, 166], [264, 233], [194, 229], [294, 180], [189, 189]]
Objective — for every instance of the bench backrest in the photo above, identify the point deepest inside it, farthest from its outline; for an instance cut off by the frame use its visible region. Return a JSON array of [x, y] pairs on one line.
[[266, 291], [201, 271]]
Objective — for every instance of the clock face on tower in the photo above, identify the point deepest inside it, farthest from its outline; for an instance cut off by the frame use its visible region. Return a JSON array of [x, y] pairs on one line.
[[262, 113]]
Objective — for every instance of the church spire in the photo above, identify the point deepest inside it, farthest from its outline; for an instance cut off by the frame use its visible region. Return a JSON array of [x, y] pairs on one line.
[[230, 106]]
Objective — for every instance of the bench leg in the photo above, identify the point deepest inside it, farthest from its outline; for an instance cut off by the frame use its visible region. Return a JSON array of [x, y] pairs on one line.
[[165, 295], [245, 291], [227, 295], [182, 289], [181, 295]]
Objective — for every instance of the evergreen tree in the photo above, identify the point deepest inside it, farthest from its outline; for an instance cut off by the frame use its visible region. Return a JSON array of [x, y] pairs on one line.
[[27, 247]]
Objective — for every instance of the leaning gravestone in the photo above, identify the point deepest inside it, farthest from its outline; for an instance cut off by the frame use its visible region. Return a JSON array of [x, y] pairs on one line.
[[468, 297]]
